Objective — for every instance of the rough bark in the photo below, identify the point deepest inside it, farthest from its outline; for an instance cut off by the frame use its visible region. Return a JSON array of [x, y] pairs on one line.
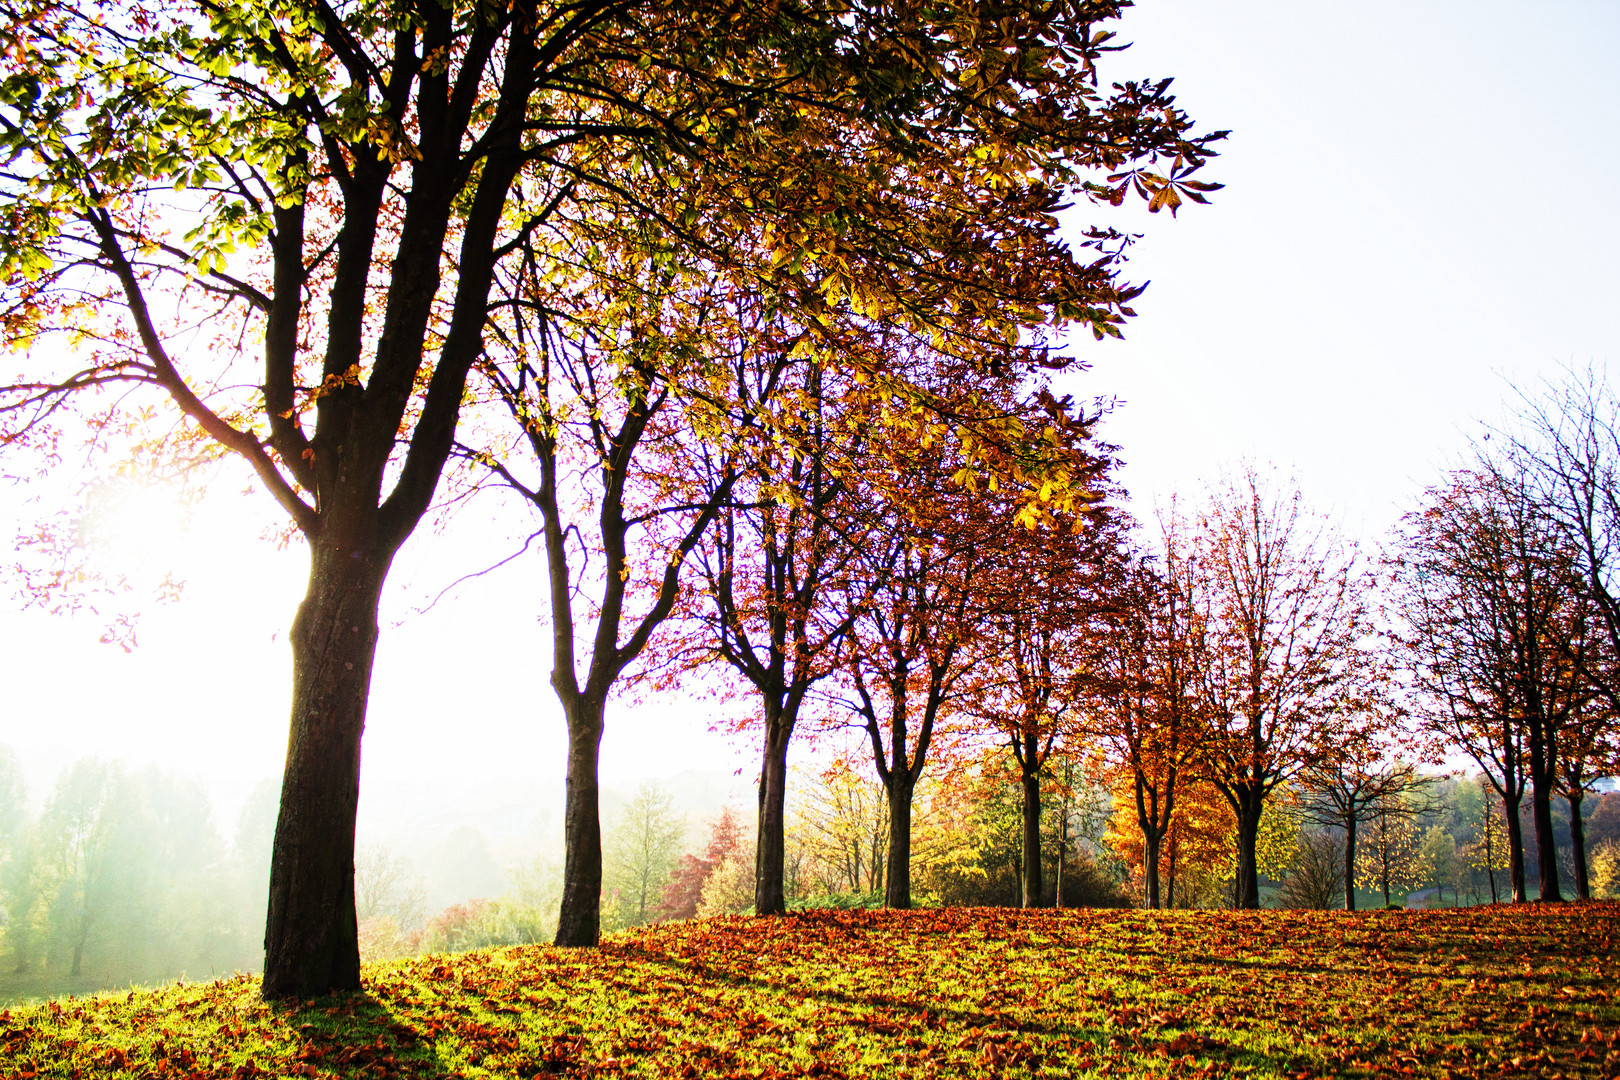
[[1546, 844], [1247, 804], [1350, 863], [1515, 835], [771, 840], [1153, 818], [1034, 885], [311, 943], [1577, 839], [897, 873], [579, 919], [1150, 866]]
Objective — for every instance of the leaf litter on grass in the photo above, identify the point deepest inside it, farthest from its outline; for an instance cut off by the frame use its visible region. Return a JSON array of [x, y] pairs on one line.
[[969, 992]]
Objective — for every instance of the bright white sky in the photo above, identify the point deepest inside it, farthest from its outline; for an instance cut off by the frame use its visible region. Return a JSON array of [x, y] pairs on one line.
[[1420, 203]]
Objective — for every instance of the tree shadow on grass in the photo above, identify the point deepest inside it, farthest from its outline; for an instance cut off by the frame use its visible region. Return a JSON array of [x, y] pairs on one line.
[[352, 1035], [1002, 1041]]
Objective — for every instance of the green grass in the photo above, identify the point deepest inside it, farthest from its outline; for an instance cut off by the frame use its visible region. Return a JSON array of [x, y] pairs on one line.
[[1523, 991]]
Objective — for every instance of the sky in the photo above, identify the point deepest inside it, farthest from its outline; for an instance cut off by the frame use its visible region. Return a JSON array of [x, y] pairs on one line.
[[1419, 214]]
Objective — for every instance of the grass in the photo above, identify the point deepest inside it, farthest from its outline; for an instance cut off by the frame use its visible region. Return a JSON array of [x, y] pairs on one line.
[[1526, 991]]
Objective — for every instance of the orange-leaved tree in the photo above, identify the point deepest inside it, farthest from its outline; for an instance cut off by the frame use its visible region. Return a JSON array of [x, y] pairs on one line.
[[863, 212], [1145, 689], [1044, 594], [1288, 648], [323, 194]]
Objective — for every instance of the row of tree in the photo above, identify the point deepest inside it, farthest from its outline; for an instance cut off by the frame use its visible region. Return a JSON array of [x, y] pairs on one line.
[[640, 264], [1247, 649], [750, 309]]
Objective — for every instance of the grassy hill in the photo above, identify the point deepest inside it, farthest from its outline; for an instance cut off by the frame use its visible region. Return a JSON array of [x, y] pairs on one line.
[[949, 993]]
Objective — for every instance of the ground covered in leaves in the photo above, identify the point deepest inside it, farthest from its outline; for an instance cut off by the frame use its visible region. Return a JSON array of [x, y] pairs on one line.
[[1527, 991]]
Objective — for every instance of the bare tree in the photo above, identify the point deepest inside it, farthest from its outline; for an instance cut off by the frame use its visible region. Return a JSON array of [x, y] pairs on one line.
[[1348, 788], [382, 881], [1567, 444], [1316, 881], [1499, 639]]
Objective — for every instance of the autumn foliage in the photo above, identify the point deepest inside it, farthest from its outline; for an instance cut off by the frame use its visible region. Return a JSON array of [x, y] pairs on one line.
[[967, 992]]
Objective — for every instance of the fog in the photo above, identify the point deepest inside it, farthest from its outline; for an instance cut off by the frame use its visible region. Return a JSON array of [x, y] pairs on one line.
[[116, 873]]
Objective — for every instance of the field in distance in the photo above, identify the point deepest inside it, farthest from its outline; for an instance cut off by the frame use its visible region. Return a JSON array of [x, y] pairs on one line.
[[974, 992]]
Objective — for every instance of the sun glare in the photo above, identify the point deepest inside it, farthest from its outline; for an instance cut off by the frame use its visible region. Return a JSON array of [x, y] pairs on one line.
[[133, 527]]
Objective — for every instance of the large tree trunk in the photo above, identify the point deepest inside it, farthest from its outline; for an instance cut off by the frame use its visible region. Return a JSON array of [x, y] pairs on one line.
[[1577, 840], [1150, 864], [579, 919], [1350, 861], [1546, 844], [771, 840], [311, 943], [1034, 886], [897, 875], [1515, 832], [1249, 804]]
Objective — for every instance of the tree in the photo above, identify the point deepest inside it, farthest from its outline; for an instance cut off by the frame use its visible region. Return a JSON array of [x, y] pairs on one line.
[[1316, 879], [1286, 665], [1042, 593], [335, 150], [1145, 679], [1499, 639], [327, 148], [1437, 859], [1390, 848], [1588, 750], [1197, 853], [1606, 870], [1347, 789], [98, 865], [642, 852], [910, 644], [385, 886], [1488, 848], [768, 572], [684, 893], [920, 194], [376, 168], [1567, 446], [842, 820]]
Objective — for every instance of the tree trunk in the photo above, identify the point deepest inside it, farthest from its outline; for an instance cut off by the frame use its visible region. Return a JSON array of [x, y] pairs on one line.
[[1150, 865], [311, 941], [1546, 845], [1515, 833], [1170, 879], [77, 968], [1063, 851], [771, 839], [580, 917], [1577, 840], [897, 876], [1250, 803], [1350, 862], [1033, 884]]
